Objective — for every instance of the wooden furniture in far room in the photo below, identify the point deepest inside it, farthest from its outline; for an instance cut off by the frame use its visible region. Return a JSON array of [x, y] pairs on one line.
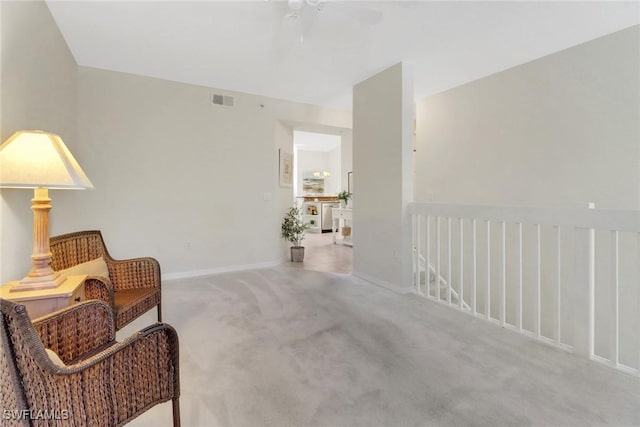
[[133, 286], [319, 198], [68, 366], [311, 214], [45, 301], [316, 212], [342, 226]]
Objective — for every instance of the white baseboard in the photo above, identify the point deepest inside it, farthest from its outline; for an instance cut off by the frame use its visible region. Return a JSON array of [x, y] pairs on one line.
[[218, 270], [383, 283]]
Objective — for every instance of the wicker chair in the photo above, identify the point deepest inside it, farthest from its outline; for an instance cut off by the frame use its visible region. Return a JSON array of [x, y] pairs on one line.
[[133, 286], [102, 382]]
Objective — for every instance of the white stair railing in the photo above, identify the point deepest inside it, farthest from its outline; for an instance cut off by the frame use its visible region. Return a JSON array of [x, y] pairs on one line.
[[432, 278], [537, 271]]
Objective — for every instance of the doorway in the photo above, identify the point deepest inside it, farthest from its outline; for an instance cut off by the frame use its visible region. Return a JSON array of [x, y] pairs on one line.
[[319, 175]]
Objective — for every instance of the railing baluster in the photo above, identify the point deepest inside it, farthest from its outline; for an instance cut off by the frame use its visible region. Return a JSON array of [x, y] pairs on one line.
[[461, 290], [592, 288], [414, 255], [558, 317], [449, 278], [615, 270], [583, 291], [418, 253], [487, 304], [503, 273], [638, 303], [437, 258], [421, 243], [520, 276], [427, 277], [574, 233], [538, 328], [474, 266]]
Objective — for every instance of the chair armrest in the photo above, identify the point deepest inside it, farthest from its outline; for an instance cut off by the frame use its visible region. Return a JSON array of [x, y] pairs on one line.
[[120, 382], [78, 330], [96, 287], [134, 273], [159, 340]]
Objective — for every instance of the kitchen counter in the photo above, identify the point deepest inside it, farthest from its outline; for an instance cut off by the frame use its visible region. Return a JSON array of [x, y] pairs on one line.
[[318, 198]]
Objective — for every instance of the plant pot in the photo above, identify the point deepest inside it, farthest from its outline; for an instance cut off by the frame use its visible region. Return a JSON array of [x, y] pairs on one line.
[[297, 253]]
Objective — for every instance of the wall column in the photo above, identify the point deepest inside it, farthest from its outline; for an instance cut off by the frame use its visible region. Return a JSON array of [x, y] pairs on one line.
[[383, 113]]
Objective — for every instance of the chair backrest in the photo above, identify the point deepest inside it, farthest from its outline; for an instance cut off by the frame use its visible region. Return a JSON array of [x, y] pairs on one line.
[[21, 359], [75, 248]]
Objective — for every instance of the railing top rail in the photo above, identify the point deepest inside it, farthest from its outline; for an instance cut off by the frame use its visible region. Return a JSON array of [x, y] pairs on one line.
[[601, 219]]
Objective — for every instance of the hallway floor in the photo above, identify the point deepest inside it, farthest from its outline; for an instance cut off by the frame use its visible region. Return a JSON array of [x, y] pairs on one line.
[[321, 254], [291, 347]]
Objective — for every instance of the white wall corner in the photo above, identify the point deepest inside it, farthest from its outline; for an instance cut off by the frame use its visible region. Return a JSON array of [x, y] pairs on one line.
[[401, 289]]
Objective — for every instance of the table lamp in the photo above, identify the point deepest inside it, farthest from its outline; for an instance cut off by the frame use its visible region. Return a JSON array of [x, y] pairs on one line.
[[39, 160]]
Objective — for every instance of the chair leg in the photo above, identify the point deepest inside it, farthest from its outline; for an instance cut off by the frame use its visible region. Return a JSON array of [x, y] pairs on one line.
[[176, 411], [160, 312]]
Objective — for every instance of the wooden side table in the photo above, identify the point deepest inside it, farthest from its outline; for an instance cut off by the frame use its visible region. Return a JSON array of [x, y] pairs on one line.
[[45, 301]]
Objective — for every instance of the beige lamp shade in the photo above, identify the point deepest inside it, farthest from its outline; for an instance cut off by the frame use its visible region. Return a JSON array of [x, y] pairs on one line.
[[34, 159], [39, 160]]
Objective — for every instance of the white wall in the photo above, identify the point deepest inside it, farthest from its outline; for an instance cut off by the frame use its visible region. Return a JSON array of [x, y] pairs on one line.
[[309, 161], [318, 149], [38, 92], [346, 158], [382, 164], [333, 162]]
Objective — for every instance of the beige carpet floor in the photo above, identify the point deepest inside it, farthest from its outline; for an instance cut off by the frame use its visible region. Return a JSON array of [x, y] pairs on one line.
[[292, 347]]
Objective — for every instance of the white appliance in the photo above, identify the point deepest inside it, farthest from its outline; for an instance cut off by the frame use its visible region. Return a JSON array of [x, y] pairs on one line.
[[327, 215]]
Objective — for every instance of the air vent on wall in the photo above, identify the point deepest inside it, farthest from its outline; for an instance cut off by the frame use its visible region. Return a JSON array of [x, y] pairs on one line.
[[223, 100]]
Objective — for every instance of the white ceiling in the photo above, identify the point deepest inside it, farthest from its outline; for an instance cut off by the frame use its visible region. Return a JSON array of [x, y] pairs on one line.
[[251, 47]]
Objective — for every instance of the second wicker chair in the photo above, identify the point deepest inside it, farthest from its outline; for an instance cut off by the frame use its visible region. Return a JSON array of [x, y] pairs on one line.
[[133, 285]]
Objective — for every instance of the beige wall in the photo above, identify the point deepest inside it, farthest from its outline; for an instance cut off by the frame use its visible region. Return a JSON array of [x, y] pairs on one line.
[[193, 184], [563, 130], [177, 178], [346, 157], [38, 92], [382, 145]]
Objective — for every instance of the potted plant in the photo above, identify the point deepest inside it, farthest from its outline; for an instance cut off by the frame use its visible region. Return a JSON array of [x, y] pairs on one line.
[[293, 228], [344, 197]]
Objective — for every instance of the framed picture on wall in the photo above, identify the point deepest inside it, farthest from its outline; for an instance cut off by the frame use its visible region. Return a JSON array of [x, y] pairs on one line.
[[313, 185], [285, 168]]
